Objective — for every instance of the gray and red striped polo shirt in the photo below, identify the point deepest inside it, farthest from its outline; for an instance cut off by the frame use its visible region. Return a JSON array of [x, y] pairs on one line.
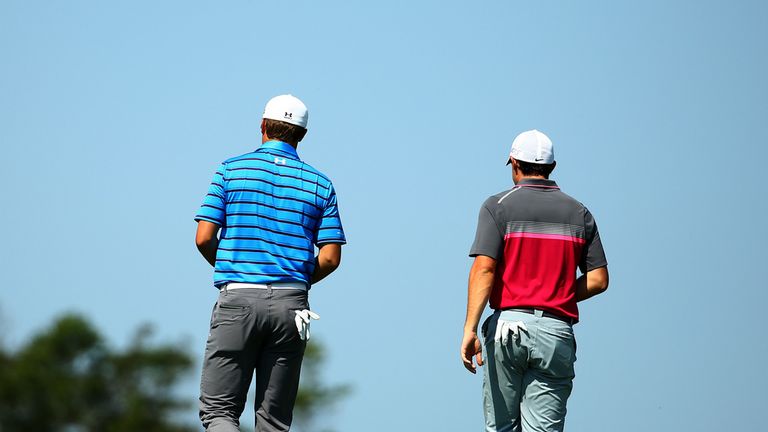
[[538, 236]]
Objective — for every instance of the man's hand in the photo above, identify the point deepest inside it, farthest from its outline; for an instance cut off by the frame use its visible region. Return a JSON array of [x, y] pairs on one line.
[[480, 281], [470, 347]]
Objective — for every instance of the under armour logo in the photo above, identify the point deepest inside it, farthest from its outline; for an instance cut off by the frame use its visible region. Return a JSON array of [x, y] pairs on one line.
[[280, 161], [288, 115]]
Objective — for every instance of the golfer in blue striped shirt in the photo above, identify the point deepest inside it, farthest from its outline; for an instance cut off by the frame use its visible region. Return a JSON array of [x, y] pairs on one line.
[[272, 210]]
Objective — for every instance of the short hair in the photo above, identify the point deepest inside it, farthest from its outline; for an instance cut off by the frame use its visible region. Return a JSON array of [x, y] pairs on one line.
[[533, 169], [286, 132]]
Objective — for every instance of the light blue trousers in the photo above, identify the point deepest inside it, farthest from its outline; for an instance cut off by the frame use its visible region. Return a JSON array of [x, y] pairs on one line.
[[527, 381]]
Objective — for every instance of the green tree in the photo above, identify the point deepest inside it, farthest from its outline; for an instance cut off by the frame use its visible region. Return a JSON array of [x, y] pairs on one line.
[[67, 379]]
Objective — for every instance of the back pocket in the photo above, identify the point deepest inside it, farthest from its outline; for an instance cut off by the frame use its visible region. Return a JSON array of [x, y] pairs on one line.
[[230, 312], [231, 326]]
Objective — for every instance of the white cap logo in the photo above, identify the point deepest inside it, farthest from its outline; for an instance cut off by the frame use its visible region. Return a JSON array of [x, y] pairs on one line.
[[534, 147], [287, 108]]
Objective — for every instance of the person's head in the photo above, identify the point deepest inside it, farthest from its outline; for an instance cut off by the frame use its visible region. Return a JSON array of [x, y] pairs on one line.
[[285, 119], [531, 155]]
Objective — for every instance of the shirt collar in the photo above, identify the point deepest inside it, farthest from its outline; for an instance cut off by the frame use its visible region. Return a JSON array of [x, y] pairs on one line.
[[537, 182], [282, 147]]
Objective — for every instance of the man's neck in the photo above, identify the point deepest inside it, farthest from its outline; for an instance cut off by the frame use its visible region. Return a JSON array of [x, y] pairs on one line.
[[265, 138], [530, 177]]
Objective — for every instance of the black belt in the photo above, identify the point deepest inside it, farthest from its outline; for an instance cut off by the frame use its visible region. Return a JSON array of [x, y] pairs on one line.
[[567, 320]]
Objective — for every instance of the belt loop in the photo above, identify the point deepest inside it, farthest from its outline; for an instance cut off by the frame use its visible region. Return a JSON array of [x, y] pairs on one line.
[[269, 289], [224, 290], [539, 313]]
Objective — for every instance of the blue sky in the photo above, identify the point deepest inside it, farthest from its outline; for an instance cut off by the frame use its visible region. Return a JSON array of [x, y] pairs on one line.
[[114, 115]]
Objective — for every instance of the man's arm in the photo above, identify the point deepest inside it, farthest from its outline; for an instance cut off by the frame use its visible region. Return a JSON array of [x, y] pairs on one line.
[[327, 260], [206, 240], [481, 278], [591, 283]]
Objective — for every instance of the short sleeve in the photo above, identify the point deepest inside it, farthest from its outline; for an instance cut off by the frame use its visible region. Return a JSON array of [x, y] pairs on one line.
[[329, 229], [212, 209], [488, 238], [593, 255]]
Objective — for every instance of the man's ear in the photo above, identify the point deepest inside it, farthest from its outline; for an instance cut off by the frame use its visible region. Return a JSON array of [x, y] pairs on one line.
[[302, 135], [263, 127]]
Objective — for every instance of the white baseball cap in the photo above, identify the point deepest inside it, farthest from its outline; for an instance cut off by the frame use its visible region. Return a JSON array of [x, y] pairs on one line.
[[534, 147], [287, 108]]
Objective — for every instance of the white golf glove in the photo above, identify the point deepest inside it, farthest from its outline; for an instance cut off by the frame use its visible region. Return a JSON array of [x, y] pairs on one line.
[[302, 322], [504, 328]]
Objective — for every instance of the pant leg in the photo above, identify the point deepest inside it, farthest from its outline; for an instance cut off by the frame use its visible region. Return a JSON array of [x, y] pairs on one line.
[[503, 374], [228, 363], [549, 379], [279, 365]]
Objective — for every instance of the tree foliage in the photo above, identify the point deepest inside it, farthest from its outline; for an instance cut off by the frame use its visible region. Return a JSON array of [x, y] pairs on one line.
[[67, 379]]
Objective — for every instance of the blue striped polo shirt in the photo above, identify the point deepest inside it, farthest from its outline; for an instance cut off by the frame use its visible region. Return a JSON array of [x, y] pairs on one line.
[[272, 209]]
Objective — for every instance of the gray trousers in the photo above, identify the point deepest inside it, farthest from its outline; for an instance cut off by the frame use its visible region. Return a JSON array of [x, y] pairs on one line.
[[252, 330], [528, 380]]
